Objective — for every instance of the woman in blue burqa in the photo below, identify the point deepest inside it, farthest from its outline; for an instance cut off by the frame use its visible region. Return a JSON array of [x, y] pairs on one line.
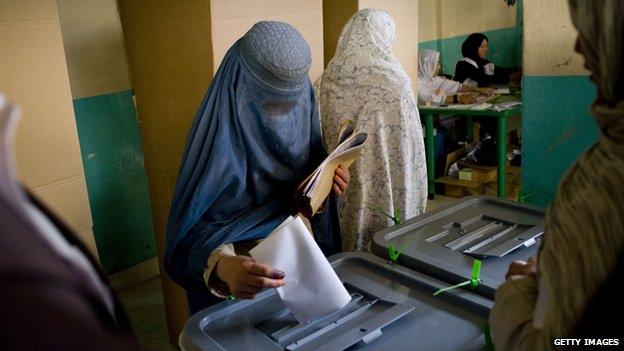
[[255, 137]]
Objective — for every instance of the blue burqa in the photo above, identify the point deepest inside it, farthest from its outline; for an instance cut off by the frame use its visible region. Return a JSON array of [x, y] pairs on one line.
[[256, 135]]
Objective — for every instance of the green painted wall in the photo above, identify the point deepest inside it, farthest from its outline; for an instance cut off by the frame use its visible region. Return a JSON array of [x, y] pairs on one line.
[[504, 45], [556, 129], [116, 180]]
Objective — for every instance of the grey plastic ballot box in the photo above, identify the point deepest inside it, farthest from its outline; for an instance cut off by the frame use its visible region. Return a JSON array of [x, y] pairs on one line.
[[392, 308], [445, 242], [392, 305]]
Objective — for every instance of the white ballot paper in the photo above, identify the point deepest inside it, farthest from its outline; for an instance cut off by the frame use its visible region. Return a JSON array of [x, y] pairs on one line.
[[312, 288]]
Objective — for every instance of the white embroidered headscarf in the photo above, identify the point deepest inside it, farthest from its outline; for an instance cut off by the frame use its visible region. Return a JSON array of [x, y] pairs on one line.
[[365, 82], [431, 87]]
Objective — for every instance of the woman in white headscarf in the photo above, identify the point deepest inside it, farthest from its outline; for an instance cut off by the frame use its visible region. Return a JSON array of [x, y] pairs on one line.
[[576, 280], [437, 90], [365, 82]]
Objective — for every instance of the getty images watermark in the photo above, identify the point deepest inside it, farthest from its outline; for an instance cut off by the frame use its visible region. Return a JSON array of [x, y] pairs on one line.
[[587, 342]]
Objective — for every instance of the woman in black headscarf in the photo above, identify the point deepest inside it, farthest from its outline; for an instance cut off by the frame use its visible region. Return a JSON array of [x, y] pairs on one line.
[[475, 69]]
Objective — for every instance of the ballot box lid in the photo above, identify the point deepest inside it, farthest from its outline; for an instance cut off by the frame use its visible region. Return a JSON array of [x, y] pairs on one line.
[[445, 242], [392, 308]]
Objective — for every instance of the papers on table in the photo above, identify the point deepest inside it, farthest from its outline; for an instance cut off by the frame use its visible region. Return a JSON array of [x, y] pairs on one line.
[[483, 106], [485, 98], [480, 106], [312, 288], [506, 105]]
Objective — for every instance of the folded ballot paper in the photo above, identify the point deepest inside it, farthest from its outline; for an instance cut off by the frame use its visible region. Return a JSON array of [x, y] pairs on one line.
[[313, 191], [312, 288]]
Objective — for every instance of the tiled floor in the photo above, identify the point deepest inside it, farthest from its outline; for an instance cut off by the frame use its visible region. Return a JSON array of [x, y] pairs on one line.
[[145, 307]]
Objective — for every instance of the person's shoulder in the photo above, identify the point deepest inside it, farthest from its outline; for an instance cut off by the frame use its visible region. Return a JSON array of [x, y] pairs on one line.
[[464, 65], [396, 89], [395, 81], [463, 70], [24, 253]]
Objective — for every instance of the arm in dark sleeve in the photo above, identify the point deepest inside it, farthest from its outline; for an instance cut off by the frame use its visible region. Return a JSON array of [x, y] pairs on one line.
[[186, 260], [501, 74], [464, 70]]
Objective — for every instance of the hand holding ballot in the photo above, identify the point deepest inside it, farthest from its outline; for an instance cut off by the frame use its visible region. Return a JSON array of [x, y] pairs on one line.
[[312, 289], [246, 277], [243, 276]]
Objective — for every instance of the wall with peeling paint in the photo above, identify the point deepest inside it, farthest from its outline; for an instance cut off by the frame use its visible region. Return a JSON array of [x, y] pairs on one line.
[[557, 94], [549, 40], [108, 130], [110, 144]]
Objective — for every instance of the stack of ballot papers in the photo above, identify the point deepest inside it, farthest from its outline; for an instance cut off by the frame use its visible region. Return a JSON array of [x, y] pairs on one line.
[[312, 288], [506, 105], [483, 106], [313, 191]]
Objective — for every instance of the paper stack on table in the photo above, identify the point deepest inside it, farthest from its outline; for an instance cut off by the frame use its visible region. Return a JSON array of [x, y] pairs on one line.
[[485, 98], [483, 106], [506, 105], [312, 288]]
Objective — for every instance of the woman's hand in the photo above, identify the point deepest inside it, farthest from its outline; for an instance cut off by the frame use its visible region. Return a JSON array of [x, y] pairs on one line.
[[466, 99], [486, 91], [516, 77], [341, 180], [246, 277], [527, 269]]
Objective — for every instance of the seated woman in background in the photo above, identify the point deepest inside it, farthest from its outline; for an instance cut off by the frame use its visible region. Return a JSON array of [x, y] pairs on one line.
[[255, 137], [474, 69], [576, 281], [364, 82], [439, 90]]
